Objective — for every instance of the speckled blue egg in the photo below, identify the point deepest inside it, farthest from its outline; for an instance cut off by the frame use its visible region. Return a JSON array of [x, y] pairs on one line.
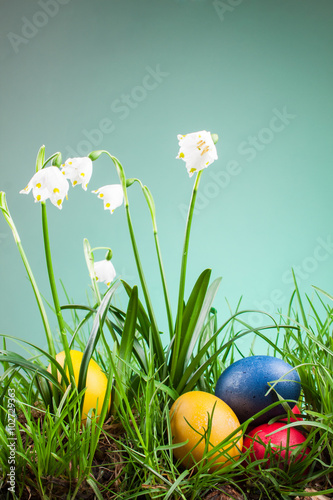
[[244, 384]]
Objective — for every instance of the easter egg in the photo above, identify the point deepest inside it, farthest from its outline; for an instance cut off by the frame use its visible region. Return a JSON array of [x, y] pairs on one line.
[[294, 417], [277, 447], [96, 381], [245, 383], [190, 415]]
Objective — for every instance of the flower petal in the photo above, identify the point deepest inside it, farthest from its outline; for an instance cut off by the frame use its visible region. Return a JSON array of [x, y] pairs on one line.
[[112, 196], [78, 171], [104, 271], [197, 150], [48, 183]]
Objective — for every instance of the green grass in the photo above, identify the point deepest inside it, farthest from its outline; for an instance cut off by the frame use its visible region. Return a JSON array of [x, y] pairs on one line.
[[127, 452], [129, 455]]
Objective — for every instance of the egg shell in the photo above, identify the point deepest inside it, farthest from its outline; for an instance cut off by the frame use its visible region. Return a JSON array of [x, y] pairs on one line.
[[244, 384], [297, 415], [284, 439], [96, 381], [189, 420]]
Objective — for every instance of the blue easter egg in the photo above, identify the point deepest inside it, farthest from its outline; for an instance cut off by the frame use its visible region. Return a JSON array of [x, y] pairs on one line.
[[244, 384]]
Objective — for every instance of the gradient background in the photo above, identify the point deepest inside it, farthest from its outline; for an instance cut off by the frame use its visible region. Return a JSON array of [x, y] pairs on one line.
[[227, 67]]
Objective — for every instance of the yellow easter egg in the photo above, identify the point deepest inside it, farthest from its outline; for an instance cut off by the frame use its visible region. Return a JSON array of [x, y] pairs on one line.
[[189, 417], [96, 381]]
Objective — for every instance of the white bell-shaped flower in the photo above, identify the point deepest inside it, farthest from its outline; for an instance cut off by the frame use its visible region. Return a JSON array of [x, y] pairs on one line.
[[197, 150], [48, 183], [78, 171], [104, 271], [112, 196]]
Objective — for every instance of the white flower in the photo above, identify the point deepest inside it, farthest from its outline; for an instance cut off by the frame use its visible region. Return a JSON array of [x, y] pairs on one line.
[[197, 150], [48, 183], [104, 271], [78, 171], [112, 196]]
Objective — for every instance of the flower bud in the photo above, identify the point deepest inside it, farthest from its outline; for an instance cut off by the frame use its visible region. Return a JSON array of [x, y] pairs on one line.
[[57, 160], [94, 155], [129, 182], [108, 255], [215, 138]]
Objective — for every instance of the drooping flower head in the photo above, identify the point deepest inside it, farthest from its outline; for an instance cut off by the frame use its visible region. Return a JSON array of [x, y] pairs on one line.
[[197, 150], [104, 271], [78, 171], [112, 195], [48, 183]]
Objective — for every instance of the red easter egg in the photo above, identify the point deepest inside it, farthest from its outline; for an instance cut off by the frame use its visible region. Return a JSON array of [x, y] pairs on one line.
[[296, 411], [281, 444]]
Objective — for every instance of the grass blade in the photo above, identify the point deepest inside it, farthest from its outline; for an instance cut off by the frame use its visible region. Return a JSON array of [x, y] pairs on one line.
[[100, 318]]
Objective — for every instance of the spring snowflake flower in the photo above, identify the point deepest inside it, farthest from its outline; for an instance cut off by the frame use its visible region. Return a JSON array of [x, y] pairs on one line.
[[78, 171], [104, 271], [48, 183], [197, 150], [112, 196]]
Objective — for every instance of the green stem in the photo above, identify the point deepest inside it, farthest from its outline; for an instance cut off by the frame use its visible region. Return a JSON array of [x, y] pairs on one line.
[[6, 213], [89, 256], [164, 284], [140, 271], [61, 323], [40, 304], [151, 205], [178, 327], [90, 264], [122, 178]]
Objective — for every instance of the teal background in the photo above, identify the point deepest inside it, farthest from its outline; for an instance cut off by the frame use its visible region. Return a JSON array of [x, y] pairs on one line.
[[228, 67]]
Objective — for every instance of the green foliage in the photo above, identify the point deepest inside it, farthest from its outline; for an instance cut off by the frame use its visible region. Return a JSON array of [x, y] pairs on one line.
[[145, 377]]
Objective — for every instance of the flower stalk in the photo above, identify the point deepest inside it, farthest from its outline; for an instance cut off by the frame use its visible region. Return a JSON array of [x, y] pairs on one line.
[[40, 304], [178, 326], [60, 319], [151, 205], [122, 178], [89, 256], [198, 151]]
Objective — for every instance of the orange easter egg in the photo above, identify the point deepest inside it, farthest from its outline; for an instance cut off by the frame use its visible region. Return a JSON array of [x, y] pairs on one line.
[[190, 415]]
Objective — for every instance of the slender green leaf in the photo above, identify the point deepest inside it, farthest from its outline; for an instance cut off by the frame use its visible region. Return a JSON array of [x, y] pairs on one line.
[[323, 292], [299, 300], [194, 304], [94, 487], [190, 317], [128, 334], [17, 360], [145, 323], [206, 307], [94, 335]]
